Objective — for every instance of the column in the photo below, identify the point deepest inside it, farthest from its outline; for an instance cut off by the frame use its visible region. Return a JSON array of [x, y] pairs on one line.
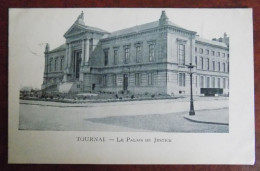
[[83, 52], [69, 59], [86, 56]]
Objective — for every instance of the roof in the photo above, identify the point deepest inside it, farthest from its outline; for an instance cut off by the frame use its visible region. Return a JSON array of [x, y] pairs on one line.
[[140, 28], [216, 43], [60, 48]]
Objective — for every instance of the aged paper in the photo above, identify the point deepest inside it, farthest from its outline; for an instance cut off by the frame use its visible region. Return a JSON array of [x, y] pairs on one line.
[[93, 86]]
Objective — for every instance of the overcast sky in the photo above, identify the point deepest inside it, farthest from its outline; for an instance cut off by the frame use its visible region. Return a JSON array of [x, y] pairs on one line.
[[30, 29]]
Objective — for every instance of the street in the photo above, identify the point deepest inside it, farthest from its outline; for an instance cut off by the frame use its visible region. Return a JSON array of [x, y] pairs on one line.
[[145, 116]]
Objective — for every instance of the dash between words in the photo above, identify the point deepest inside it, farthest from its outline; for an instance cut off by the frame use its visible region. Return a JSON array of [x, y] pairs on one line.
[[124, 140]]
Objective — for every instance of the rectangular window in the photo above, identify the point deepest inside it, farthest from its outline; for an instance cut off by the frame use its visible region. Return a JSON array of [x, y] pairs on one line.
[[137, 79], [115, 57], [224, 67], [56, 64], [195, 49], [207, 52], [228, 67], [61, 63], [213, 82], [50, 65], [104, 80], [127, 55], [208, 82], [201, 50], [114, 79], [212, 53], [201, 82], [218, 66], [196, 81], [138, 54], [196, 61], [106, 57], [207, 64], [223, 55], [182, 79], [201, 63], [218, 54], [224, 82], [150, 79], [213, 65], [181, 54], [218, 82], [151, 52]]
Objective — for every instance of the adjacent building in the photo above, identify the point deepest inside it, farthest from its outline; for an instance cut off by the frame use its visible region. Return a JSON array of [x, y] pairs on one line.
[[151, 57]]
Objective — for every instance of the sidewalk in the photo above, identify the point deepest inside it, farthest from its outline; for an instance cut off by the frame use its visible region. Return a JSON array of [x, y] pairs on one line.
[[210, 117]]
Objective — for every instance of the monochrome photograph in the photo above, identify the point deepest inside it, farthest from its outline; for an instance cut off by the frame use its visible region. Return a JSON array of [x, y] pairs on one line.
[[130, 86], [152, 75]]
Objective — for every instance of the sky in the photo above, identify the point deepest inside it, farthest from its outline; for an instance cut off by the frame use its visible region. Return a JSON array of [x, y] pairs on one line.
[[30, 29]]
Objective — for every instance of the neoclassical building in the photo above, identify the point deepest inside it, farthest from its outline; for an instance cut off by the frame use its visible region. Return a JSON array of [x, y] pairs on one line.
[[151, 57]]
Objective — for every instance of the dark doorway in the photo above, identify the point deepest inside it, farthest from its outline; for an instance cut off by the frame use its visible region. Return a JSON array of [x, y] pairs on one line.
[[77, 62], [125, 82], [93, 86]]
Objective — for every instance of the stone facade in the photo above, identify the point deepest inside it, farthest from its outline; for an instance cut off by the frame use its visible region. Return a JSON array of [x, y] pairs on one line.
[[151, 58]]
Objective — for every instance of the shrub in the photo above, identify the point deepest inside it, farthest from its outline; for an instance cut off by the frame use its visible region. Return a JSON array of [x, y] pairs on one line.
[[132, 96], [152, 95]]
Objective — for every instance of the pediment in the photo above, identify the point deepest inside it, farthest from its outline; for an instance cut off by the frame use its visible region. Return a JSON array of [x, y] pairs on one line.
[[74, 30]]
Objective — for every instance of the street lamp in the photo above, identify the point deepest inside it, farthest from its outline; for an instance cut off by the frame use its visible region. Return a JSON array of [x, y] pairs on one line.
[[192, 112]]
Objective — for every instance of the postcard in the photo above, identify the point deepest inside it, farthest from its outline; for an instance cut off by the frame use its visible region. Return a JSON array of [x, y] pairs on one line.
[[131, 86]]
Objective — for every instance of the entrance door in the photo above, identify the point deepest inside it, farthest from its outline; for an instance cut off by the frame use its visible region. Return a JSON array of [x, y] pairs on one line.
[[125, 82], [77, 61]]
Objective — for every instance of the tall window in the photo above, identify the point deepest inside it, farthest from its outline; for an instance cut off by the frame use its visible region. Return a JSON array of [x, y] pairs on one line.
[[104, 80], [61, 63], [218, 82], [150, 78], [201, 63], [223, 55], [50, 65], [207, 63], [127, 55], [224, 67], [228, 67], [137, 79], [224, 82], [212, 53], [196, 61], [196, 81], [213, 65], [201, 82], [207, 52], [201, 50], [115, 56], [138, 53], [151, 52], [208, 82], [56, 64], [182, 79], [106, 57], [218, 54], [181, 54], [218, 66], [114, 79], [213, 82], [195, 49]]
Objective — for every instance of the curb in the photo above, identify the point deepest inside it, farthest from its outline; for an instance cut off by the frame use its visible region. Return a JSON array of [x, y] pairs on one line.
[[206, 122]]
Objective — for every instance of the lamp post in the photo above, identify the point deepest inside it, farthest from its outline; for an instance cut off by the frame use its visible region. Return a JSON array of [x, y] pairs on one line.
[[192, 112]]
